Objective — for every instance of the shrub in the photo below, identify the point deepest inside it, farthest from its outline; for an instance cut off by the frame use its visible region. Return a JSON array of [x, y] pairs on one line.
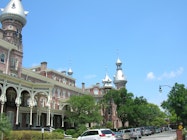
[[70, 131], [33, 135], [109, 124], [80, 129], [59, 130]]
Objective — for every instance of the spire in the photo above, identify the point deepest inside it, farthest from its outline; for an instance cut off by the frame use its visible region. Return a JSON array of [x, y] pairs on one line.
[[14, 10], [119, 79], [118, 64]]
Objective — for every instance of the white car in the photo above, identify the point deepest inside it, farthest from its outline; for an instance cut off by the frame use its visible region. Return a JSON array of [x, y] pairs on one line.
[[97, 134]]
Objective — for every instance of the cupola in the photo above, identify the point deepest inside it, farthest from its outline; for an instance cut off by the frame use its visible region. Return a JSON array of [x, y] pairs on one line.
[[14, 11]]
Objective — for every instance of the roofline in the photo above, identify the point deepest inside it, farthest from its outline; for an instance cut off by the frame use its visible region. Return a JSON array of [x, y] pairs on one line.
[[51, 70]]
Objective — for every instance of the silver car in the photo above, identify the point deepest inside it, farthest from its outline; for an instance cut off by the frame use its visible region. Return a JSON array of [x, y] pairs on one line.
[[126, 134], [134, 133]]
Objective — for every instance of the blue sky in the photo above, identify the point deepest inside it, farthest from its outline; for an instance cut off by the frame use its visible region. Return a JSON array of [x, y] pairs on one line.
[[149, 36]]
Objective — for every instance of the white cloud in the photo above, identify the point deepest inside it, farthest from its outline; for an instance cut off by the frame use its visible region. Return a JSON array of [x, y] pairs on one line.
[[150, 76], [165, 75], [171, 74]]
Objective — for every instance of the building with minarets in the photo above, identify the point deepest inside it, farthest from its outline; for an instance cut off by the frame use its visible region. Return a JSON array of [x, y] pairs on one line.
[[36, 97], [119, 82], [30, 97]]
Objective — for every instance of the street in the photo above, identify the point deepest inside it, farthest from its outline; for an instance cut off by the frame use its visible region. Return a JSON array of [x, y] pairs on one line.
[[167, 135]]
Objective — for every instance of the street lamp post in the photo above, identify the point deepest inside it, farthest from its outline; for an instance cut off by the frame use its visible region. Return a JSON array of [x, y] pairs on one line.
[[160, 87], [160, 90], [180, 127]]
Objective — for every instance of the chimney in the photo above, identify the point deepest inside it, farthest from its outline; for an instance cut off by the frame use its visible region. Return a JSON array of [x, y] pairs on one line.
[[43, 66], [83, 87], [63, 72]]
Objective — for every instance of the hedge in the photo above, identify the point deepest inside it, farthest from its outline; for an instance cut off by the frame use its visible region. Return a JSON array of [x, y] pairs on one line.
[[33, 135]]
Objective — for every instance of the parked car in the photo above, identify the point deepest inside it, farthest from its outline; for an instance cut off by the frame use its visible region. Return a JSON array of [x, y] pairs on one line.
[[118, 135], [126, 134], [158, 130], [145, 131], [152, 129], [134, 133], [138, 131], [97, 134]]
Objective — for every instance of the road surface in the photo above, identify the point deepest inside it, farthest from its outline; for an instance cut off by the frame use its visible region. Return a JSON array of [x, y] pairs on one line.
[[167, 135]]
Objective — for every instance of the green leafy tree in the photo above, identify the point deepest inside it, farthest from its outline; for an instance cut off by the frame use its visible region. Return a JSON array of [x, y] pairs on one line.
[[125, 107], [136, 110], [83, 110], [155, 116], [139, 111], [177, 102], [5, 126], [143, 113], [123, 101]]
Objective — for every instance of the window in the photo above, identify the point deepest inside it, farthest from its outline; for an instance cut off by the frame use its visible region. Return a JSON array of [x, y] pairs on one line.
[[106, 131], [58, 93], [93, 133], [12, 62], [2, 57], [96, 91], [89, 133]]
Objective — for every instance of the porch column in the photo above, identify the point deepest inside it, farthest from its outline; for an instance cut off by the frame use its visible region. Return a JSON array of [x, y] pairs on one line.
[[39, 118], [2, 106], [52, 117], [17, 114], [49, 116], [32, 103], [49, 111], [18, 102], [31, 107], [2, 100], [62, 120]]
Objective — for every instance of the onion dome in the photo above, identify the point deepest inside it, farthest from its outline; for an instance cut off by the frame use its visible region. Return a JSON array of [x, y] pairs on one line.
[[14, 10], [70, 72]]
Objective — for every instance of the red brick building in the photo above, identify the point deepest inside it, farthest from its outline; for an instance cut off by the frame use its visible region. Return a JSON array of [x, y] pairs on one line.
[[31, 97]]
